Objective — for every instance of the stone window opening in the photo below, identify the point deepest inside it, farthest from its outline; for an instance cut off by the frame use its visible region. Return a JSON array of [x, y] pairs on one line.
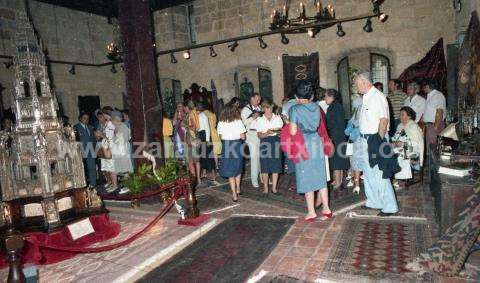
[[377, 64]]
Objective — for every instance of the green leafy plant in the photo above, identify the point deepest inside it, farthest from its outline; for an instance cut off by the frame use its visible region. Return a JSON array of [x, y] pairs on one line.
[[144, 176]]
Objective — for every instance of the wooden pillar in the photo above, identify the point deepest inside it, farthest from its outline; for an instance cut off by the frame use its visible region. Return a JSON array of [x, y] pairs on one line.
[[136, 28]]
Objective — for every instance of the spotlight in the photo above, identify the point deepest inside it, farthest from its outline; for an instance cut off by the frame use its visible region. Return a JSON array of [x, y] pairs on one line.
[[186, 54], [285, 40], [232, 46], [313, 32], [113, 69], [8, 64], [72, 70], [173, 60], [212, 52], [368, 26], [383, 17], [263, 45], [378, 2], [340, 31]]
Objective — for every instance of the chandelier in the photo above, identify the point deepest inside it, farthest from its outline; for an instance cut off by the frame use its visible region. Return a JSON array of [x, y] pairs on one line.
[[114, 53], [280, 20]]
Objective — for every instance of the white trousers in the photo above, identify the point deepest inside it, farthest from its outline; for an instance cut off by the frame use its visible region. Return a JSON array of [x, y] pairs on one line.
[[253, 143]]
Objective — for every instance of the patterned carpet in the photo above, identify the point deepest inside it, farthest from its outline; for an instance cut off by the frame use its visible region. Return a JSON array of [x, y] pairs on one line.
[[378, 249], [230, 252], [288, 198]]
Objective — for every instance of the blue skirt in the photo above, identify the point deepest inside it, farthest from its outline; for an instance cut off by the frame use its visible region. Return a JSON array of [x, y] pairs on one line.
[[270, 155], [231, 158], [311, 174]]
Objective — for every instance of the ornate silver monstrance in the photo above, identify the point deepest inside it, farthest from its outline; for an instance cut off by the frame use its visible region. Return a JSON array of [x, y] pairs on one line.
[[41, 171]]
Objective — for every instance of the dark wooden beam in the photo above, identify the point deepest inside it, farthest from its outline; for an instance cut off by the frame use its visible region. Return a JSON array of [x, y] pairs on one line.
[[108, 8]]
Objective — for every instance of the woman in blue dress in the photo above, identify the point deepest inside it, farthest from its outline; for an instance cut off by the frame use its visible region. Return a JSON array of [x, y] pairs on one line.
[[310, 174]]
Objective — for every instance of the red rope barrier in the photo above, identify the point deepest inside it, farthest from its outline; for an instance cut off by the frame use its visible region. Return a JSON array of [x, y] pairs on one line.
[[127, 241], [179, 183]]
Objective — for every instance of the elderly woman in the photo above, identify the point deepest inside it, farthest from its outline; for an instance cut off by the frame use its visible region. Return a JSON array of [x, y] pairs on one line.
[[353, 132], [268, 127], [120, 145], [415, 101], [310, 173], [408, 142], [107, 165], [336, 129]]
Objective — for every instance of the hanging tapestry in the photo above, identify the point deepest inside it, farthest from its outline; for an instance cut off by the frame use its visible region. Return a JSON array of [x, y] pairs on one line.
[[299, 68], [432, 66], [468, 82]]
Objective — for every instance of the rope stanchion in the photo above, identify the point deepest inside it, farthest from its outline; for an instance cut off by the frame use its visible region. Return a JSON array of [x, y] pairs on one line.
[[127, 241], [177, 184]]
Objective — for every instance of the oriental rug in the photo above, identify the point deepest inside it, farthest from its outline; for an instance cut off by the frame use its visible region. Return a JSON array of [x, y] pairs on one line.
[[230, 252], [448, 255], [377, 250], [288, 197]]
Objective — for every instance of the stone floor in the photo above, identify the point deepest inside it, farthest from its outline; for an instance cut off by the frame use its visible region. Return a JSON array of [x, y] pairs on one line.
[[300, 255]]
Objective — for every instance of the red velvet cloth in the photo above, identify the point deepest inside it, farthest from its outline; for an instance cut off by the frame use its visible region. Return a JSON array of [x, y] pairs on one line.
[[328, 147], [293, 145], [104, 229]]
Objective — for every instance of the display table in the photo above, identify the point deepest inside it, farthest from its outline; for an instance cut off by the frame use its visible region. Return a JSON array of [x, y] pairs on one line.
[[449, 192]]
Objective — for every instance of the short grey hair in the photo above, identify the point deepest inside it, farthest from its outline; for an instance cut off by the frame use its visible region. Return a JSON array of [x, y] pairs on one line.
[[363, 76]]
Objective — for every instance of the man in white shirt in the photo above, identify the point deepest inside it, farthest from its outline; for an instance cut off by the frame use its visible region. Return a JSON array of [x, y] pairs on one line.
[[374, 119], [415, 101], [435, 111], [249, 114]]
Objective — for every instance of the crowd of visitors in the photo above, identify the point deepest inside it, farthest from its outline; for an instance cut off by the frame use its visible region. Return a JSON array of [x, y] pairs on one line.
[[294, 138]]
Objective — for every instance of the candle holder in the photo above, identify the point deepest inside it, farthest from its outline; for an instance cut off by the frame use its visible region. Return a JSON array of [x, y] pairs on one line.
[[281, 20]]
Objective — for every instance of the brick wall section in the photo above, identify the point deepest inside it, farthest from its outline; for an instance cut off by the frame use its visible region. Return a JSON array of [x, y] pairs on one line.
[[412, 29], [67, 35]]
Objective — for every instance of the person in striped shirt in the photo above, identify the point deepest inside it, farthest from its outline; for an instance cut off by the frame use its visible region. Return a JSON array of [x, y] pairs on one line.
[[397, 98]]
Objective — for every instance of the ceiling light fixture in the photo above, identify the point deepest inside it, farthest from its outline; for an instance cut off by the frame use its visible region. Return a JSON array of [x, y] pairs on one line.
[[186, 54], [173, 60], [313, 32], [212, 52], [263, 44], [285, 39], [340, 31], [383, 17], [72, 70], [368, 26], [233, 45], [8, 64]]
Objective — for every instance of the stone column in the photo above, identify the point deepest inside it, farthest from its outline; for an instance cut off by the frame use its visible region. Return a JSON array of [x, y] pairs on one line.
[[136, 28]]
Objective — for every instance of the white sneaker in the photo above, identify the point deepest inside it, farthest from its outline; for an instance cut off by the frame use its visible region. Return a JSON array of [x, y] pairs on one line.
[[124, 190], [356, 190], [350, 183], [256, 185], [111, 189], [348, 178]]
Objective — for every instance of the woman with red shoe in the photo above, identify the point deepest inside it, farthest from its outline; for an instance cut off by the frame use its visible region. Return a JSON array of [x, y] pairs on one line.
[[310, 173]]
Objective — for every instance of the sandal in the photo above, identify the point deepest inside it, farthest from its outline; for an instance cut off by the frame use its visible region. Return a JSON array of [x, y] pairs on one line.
[[327, 215], [311, 219]]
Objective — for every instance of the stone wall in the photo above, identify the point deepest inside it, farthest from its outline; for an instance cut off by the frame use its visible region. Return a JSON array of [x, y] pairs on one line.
[[67, 35], [412, 29]]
